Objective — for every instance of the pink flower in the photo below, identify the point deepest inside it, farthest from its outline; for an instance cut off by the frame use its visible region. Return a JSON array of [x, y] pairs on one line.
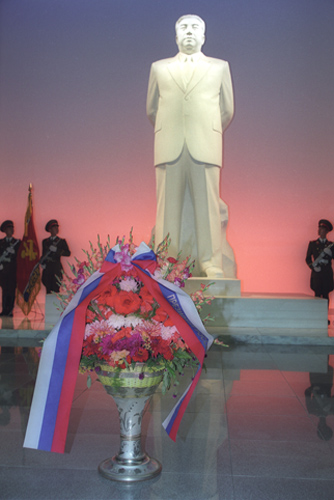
[[99, 329], [148, 329], [124, 258]]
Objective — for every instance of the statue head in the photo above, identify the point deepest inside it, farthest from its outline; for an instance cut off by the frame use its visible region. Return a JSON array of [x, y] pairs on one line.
[[190, 33]]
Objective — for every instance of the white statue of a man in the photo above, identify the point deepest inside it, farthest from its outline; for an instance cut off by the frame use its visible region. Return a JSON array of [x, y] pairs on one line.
[[190, 104]]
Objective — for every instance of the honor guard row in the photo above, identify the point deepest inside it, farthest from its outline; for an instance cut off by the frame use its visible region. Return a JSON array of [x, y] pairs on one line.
[[53, 248]]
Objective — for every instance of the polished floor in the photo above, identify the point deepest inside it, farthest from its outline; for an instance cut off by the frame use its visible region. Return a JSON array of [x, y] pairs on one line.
[[259, 427]]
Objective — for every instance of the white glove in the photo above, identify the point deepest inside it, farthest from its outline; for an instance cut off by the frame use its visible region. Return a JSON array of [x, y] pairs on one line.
[[317, 269], [328, 251], [10, 250], [53, 248], [1, 267], [43, 266]]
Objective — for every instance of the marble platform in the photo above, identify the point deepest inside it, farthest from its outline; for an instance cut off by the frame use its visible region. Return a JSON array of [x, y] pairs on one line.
[[249, 319]]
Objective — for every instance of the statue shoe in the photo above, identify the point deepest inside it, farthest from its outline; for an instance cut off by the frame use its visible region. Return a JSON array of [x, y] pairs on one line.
[[214, 272]]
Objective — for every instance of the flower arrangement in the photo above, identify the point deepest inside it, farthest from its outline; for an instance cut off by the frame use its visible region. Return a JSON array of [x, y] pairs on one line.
[[125, 324]]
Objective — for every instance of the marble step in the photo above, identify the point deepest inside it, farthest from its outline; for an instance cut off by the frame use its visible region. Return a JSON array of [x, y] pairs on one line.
[[269, 311]]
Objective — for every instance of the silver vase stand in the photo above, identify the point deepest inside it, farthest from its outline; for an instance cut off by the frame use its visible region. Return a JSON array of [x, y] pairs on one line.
[[131, 463]]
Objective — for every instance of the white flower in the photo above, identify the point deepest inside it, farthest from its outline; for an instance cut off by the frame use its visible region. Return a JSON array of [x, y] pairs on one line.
[[117, 321], [132, 320], [129, 285]]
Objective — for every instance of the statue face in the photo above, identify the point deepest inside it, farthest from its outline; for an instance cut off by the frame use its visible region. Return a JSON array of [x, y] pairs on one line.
[[190, 35]]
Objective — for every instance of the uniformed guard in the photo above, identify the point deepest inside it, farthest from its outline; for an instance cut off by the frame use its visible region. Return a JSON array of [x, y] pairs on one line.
[[319, 258], [9, 247], [53, 249]]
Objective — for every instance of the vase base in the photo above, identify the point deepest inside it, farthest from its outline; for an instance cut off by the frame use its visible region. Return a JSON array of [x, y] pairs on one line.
[[115, 471]]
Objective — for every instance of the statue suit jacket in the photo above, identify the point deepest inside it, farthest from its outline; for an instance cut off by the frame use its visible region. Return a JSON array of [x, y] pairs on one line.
[[196, 115]]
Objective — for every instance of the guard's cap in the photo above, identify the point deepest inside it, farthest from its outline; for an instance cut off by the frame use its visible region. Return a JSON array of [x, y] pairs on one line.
[[326, 224], [5, 224], [50, 224]]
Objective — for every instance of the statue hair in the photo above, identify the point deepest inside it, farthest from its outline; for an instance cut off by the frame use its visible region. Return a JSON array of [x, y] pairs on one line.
[[191, 15]]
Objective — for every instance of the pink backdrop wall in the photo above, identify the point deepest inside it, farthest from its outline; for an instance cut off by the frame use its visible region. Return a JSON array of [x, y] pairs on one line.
[[73, 80]]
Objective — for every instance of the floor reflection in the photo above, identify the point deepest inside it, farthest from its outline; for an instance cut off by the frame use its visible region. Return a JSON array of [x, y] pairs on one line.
[[259, 413], [319, 399], [18, 369]]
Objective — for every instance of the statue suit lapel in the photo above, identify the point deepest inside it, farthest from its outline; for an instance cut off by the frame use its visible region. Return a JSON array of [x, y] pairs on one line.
[[175, 72], [201, 68]]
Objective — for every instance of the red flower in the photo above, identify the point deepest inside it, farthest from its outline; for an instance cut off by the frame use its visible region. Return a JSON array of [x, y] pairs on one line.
[[107, 296], [141, 355], [172, 260], [126, 302], [89, 347], [167, 354], [168, 322], [147, 301], [160, 315], [90, 316], [162, 347], [123, 365], [123, 333]]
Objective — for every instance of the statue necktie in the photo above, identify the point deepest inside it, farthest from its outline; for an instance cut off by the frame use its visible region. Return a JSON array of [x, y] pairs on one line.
[[188, 69]]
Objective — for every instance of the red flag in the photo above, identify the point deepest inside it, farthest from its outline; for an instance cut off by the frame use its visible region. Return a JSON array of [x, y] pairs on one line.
[[28, 275]]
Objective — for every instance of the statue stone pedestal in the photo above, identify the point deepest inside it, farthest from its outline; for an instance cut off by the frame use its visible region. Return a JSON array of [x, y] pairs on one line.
[[52, 313], [221, 287]]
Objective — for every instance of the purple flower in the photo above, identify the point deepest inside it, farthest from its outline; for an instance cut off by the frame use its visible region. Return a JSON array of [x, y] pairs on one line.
[[178, 282], [107, 346], [80, 279], [135, 343]]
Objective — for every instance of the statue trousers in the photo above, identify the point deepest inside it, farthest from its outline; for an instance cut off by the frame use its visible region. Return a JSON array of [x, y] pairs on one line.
[[203, 182]]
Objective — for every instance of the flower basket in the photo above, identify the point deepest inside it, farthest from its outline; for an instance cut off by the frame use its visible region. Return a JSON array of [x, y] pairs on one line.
[[130, 381], [123, 315]]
